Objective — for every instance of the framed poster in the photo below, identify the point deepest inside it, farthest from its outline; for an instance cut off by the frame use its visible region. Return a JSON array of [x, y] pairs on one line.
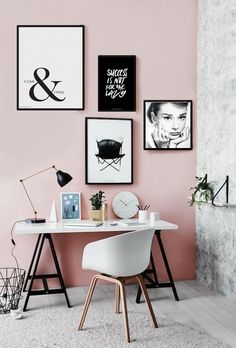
[[50, 67], [70, 205], [167, 124], [109, 150], [116, 83]]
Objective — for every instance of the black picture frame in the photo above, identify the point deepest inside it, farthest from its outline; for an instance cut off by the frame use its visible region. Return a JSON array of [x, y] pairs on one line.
[[117, 83], [108, 150], [167, 124], [50, 67]]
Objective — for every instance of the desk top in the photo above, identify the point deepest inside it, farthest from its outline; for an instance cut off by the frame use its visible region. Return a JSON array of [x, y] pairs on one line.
[[107, 226]]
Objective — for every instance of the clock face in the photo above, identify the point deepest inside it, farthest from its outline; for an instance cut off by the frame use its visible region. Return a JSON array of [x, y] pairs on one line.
[[124, 204]]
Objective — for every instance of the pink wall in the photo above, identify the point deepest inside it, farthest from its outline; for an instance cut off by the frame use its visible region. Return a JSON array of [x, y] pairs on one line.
[[162, 34]]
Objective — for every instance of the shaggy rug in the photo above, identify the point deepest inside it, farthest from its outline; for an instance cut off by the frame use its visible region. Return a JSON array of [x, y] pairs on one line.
[[57, 328]]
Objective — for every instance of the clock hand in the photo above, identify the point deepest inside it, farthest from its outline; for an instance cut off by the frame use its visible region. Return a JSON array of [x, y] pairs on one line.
[[130, 202], [123, 202]]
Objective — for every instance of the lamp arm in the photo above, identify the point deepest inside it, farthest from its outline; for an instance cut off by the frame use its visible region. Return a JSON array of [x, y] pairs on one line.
[[44, 170], [62, 179], [35, 212], [28, 177]]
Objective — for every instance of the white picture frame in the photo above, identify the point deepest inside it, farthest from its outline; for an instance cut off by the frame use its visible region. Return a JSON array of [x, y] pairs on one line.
[[70, 205], [50, 67]]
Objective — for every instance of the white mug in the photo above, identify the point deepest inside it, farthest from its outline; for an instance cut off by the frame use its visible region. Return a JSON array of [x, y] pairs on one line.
[[142, 215], [154, 216]]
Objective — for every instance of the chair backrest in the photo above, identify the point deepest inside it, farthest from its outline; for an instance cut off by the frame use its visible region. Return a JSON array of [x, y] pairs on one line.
[[123, 255], [109, 148]]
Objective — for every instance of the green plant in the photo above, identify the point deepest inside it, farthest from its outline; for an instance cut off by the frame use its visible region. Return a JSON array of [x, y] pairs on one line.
[[202, 193], [97, 200]]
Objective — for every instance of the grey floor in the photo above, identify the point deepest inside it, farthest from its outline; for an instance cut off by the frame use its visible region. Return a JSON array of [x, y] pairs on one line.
[[198, 306]]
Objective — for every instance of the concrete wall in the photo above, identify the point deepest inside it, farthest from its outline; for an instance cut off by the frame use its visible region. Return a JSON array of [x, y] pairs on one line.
[[216, 138]]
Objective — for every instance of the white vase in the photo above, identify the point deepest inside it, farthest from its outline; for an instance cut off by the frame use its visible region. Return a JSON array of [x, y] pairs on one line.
[[53, 214]]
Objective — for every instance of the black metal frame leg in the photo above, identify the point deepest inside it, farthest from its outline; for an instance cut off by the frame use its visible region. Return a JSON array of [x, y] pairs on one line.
[[34, 265], [49, 237], [38, 249], [171, 284], [155, 283], [147, 277], [32, 261]]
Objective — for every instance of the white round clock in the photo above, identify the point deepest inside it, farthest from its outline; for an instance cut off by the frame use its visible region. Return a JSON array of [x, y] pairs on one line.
[[125, 204]]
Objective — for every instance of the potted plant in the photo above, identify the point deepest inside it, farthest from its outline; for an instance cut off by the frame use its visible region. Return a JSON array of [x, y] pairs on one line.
[[96, 202], [202, 193]]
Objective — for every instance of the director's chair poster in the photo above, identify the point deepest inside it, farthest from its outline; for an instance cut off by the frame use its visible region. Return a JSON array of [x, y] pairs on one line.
[[116, 83], [109, 150], [50, 67]]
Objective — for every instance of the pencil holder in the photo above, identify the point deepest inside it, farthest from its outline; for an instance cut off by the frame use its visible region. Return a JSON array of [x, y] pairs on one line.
[[142, 215]]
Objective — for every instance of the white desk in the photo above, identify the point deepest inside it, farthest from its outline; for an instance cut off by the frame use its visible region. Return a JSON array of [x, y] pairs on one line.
[[44, 232], [59, 227]]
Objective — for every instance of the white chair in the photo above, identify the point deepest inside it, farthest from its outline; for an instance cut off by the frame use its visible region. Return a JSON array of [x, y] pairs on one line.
[[118, 259]]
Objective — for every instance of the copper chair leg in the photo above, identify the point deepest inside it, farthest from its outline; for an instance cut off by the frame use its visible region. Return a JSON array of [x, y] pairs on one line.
[[146, 297], [117, 299], [125, 312], [87, 301]]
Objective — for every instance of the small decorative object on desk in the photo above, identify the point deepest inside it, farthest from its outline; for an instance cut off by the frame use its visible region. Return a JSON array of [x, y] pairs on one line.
[[53, 214], [104, 211], [70, 205], [154, 216], [96, 213], [143, 213]]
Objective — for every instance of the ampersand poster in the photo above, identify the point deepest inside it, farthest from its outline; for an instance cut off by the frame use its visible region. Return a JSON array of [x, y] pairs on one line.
[[116, 83], [50, 67]]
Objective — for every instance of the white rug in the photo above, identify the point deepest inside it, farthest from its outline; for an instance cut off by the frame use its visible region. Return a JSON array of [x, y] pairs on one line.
[[56, 327]]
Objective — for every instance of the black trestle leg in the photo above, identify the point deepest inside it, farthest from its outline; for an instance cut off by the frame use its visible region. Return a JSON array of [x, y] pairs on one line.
[[43, 277], [58, 268], [155, 283], [32, 262]]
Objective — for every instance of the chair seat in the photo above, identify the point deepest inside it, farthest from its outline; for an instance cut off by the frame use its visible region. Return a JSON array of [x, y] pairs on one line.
[[120, 256]]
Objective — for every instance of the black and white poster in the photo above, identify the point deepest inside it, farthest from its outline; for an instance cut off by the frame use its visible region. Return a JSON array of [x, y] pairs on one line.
[[109, 150], [50, 67], [167, 125], [116, 83]]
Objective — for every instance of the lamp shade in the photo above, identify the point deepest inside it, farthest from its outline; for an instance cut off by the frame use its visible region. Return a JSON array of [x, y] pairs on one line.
[[63, 178]]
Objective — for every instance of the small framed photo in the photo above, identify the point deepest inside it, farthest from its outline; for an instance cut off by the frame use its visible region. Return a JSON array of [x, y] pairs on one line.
[[116, 83], [50, 67], [167, 124], [70, 205], [109, 150]]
